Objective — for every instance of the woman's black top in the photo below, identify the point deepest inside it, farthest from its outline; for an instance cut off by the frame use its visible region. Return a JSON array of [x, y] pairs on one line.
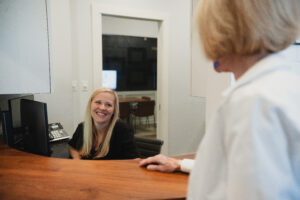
[[122, 144]]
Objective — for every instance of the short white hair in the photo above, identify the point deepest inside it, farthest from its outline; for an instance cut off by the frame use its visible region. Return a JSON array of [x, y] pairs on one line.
[[246, 27]]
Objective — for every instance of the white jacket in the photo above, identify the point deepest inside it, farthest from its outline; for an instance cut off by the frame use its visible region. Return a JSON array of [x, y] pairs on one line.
[[251, 149]]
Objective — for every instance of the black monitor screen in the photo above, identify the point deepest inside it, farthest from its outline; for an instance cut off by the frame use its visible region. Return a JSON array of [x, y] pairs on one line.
[[35, 125], [14, 108]]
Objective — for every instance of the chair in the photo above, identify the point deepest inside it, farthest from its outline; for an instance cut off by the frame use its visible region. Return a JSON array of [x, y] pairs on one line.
[[124, 108], [147, 146], [144, 109]]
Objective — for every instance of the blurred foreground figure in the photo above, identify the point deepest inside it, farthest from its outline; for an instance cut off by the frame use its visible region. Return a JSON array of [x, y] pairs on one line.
[[251, 149]]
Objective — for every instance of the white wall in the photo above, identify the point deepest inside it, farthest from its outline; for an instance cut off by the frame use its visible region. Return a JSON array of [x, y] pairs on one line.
[[60, 101], [205, 81], [129, 26], [186, 113], [199, 63], [72, 61]]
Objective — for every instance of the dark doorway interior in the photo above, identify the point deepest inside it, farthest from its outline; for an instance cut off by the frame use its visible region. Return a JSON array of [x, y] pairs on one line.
[[134, 59]]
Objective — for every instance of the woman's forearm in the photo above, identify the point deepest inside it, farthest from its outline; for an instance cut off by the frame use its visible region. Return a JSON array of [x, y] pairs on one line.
[[74, 153]]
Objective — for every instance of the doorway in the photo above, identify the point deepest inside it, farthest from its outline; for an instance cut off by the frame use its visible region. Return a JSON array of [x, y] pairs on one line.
[[161, 108], [129, 54]]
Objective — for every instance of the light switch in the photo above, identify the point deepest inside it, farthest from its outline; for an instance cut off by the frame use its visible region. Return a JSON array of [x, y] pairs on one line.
[[74, 86], [84, 85]]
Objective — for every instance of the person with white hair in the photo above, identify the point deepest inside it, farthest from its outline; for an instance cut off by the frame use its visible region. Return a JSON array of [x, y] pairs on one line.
[[251, 149]]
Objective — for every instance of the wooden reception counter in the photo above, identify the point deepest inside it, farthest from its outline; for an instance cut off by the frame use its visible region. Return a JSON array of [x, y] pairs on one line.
[[28, 176]]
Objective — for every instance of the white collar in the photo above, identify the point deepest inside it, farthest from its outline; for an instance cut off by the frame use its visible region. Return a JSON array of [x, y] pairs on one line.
[[264, 66]]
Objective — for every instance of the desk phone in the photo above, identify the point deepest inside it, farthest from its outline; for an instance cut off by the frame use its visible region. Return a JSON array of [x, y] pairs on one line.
[[57, 132]]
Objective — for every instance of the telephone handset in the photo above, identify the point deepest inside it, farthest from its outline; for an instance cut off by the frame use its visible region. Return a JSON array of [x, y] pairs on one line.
[[56, 132], [55, 126]]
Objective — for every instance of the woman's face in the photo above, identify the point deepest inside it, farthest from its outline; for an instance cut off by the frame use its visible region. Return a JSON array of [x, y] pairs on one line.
[[102, 108]]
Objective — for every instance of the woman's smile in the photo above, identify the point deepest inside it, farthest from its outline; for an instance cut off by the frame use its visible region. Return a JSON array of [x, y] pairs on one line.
[[102, 107]]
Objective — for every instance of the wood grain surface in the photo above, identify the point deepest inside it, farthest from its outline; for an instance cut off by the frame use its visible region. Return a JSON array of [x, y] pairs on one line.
[[27, 176]]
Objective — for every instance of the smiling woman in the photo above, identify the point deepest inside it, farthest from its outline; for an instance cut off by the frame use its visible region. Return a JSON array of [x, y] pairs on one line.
[[102, 135]]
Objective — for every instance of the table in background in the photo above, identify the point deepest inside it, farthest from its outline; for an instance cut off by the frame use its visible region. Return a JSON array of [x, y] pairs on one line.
[[28, 176], [132, 102], [132, 99]]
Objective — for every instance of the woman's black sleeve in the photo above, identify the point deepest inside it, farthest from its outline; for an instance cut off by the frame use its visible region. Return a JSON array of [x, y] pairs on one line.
[[77, 139]]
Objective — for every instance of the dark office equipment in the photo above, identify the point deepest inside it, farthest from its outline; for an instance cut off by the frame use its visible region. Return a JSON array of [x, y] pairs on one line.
[[12, 121], [35, 127], [14, 108], [59, 149], [7, 128], [59, 139], [134, 59], [148, 147]]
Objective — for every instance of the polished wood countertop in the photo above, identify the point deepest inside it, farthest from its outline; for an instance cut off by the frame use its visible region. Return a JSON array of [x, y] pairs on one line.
[[28, 176]]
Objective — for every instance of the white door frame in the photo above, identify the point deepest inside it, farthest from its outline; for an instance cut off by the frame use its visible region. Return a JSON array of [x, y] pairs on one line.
[[98, 10]]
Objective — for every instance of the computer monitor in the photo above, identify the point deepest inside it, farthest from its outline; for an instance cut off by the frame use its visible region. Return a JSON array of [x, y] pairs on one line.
[[35, 127], [109, 79], [14, 109], [6, 127], [12, 132]]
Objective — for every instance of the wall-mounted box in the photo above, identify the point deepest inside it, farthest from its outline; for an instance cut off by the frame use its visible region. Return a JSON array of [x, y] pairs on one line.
[[24, 47]]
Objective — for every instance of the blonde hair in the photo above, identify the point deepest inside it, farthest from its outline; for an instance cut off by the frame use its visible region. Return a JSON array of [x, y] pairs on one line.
[[89, 131], [246, 27]]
